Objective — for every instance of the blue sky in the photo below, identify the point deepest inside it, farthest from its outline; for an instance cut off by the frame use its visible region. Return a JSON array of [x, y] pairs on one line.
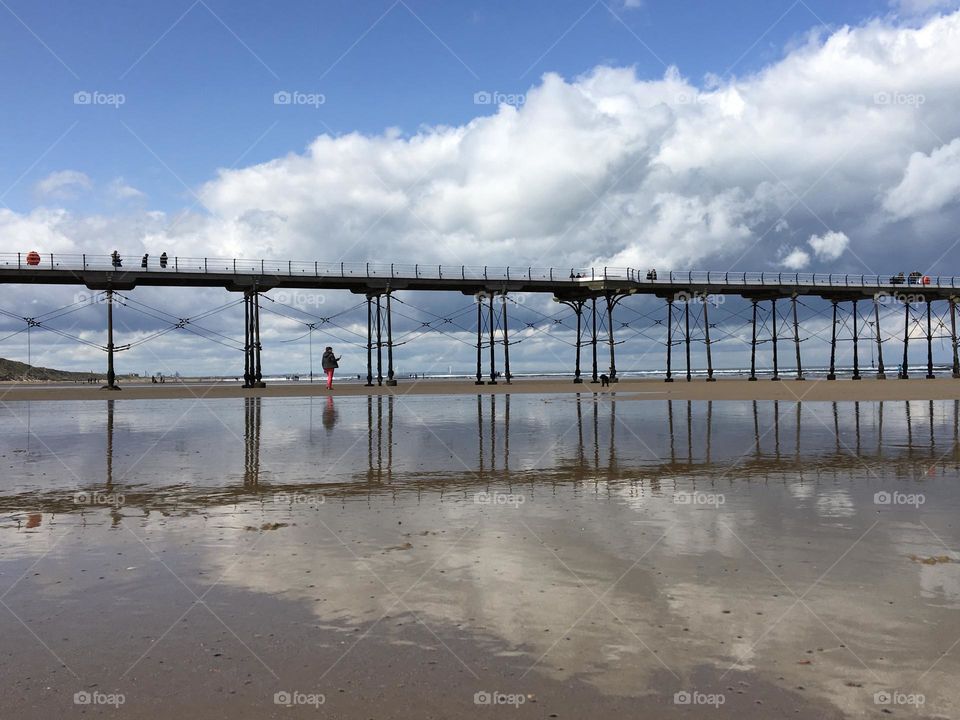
[[198, 77], [788, 135]]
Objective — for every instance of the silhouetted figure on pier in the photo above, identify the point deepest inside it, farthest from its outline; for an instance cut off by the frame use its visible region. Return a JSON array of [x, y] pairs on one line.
[[163, 260], [329, 362], [115, 259], [143, 263]]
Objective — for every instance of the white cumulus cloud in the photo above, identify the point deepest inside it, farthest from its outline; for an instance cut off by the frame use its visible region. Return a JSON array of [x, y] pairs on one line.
[[829, 246], [929, 183]]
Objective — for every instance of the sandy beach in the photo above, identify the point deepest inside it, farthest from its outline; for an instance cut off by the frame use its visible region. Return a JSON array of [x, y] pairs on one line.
[[813, 390]]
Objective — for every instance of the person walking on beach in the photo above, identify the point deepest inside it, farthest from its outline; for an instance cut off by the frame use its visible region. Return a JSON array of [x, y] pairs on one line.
[[329, 363]]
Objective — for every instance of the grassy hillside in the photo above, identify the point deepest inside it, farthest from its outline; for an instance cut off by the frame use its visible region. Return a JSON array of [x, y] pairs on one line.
[[13, 370]]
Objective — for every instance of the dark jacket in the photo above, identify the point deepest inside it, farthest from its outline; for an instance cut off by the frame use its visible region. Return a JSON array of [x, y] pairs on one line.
[[329, 361]]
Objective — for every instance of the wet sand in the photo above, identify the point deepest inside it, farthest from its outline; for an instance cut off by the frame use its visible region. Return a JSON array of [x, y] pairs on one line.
[[812, 390], [405, 556]]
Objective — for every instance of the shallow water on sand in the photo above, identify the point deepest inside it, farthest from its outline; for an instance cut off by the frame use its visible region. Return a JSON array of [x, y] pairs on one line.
[[396, 556]]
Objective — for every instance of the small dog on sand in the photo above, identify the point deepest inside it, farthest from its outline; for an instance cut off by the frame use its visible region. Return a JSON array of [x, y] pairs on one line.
[[604, 381]]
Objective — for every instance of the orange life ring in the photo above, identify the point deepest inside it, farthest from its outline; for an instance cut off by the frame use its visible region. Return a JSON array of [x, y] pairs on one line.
[[33, 258]]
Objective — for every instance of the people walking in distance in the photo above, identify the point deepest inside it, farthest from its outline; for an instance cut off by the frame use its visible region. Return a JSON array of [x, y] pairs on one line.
[[163, 260], [329, 363], [143, 263], [115, 259]]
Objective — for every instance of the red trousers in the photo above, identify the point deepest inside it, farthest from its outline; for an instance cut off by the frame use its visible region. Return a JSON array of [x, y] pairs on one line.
[[329, 378]]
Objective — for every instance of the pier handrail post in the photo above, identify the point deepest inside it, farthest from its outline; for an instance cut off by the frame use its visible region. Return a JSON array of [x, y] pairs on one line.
[[440, 271], [368, 270], [204, 265], [463, 272], [530, 274], [416, 271], [484, 272], [316, 268], [176, 264], [18, 262], [671, 276], [51, 261], [341, 269], [391, 271], [262, 272], [689, 276], [84, 261], [508, 272], [289, 267], [234, 266], [551, 274]]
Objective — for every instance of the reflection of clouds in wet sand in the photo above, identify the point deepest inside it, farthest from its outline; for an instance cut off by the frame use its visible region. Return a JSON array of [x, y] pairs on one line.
[[700, 596]]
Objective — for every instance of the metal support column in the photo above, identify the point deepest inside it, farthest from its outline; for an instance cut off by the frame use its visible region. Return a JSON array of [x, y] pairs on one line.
[[832, 375], [669, 377], [593, 341], [369, 382], [856, 339], [257, 369], [881, 375], [930, 375], [391, 380], [479, 301], [953, 337], [796, 338], [686, 333], [506, 338], [613, 360], [773, 312], [490, 329], [247, 342], [753, 344], [379, 343], [578, 309], [904, 372], [111, 374], [706, 334]]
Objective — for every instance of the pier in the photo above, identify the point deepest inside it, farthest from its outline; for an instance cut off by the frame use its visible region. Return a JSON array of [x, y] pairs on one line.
[[593, 295]]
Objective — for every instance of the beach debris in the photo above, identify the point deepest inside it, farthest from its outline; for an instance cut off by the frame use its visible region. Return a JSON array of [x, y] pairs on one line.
[[267, 526], [932, 560], [405, 546]]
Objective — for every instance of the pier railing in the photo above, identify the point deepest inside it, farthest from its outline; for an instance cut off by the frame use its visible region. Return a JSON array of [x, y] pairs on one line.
[[28, 262]]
